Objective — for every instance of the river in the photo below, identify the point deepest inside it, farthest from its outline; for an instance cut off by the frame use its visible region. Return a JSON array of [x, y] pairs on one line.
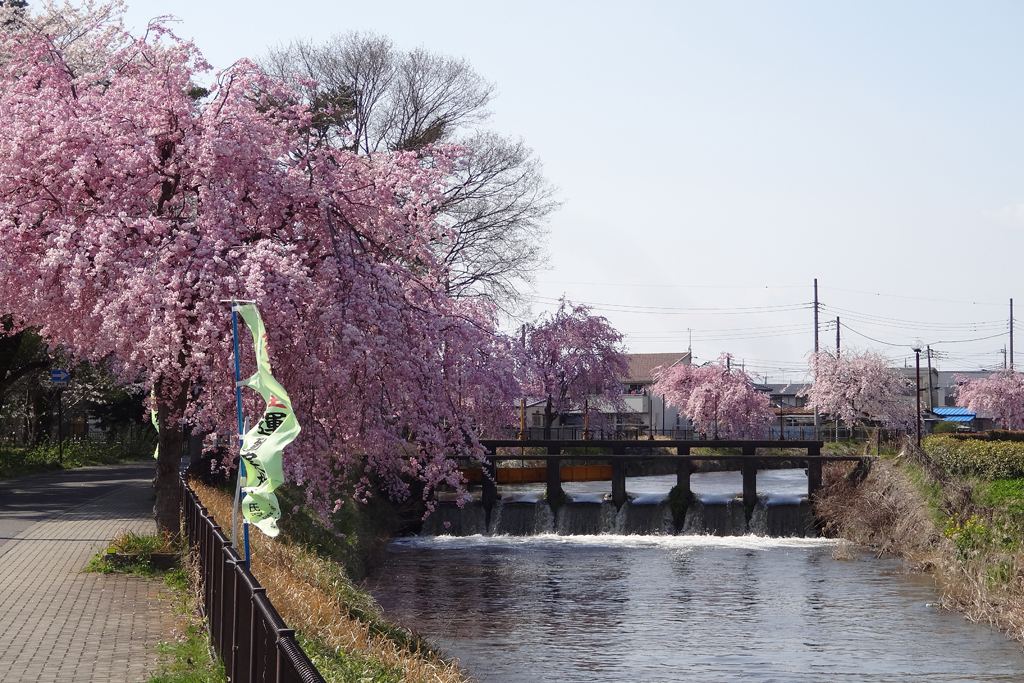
[[673, 608]]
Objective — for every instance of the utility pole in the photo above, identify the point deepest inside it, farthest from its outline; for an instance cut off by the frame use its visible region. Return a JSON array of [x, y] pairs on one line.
[[815, 315], [817, 418], [1011, 334], [917, 420], [930, 388], [837, 358]]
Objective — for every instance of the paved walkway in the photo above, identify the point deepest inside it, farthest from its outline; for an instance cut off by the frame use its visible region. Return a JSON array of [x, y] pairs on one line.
[[56, 623]]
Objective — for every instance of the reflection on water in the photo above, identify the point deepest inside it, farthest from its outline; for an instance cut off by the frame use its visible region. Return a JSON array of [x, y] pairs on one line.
[[671, 608]]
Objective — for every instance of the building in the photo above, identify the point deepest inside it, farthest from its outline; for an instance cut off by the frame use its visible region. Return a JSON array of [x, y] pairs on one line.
[[640, 409], [645, 409], [967, 420], [932, 395]]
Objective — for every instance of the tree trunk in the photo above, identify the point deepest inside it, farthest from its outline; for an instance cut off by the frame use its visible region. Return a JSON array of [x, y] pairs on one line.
[[42, 416], [167, 509]]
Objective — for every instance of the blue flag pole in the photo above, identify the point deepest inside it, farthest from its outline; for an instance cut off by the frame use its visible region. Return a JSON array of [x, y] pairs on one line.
[[241, 426]]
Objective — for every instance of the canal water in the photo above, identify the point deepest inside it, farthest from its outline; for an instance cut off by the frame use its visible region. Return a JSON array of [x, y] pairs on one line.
[[680, 608]]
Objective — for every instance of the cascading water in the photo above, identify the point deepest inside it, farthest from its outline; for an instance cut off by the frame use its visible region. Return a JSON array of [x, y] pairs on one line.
[[716, 515], [716, 510], [448, 519], [580, 519], [646, 515]]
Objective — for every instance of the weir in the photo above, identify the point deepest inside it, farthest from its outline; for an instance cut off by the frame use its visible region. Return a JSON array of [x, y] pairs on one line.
[[621, 513], [713, 515]]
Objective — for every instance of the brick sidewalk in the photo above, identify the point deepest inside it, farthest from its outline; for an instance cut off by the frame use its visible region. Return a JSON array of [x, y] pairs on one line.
[[58, 624]]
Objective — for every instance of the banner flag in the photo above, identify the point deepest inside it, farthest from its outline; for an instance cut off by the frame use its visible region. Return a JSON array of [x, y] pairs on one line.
[[262, 445], [156, 423]]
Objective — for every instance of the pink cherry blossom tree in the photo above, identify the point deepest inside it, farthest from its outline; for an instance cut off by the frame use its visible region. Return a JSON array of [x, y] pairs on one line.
[[860, 387], [718, 399], [129, 210], [574, 360], [1001, 393]]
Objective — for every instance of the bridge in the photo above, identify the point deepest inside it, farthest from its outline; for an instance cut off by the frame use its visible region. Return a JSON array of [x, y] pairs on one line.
[[748, 461]]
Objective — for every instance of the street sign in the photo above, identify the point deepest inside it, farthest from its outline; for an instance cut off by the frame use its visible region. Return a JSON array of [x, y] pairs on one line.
[[59, 378]]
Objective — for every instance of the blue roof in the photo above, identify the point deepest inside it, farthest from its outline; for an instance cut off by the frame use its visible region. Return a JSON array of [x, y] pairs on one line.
[[955, 414]]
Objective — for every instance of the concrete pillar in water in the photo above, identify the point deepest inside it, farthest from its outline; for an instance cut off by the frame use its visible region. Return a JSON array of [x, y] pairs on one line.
[[684, 467], [682, 497], [813, 471], [489, 495], [618, 478], [749, 481], [554, 467]]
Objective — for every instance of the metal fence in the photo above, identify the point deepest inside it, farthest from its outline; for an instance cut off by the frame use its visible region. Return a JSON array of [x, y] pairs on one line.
[[826, 432], [246, 630], [578, 433]]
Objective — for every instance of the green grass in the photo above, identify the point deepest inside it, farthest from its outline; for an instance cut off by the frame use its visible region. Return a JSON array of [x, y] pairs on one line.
[[129, 543], [930, 490], [1008, 493], [342, 667], [190, 660]]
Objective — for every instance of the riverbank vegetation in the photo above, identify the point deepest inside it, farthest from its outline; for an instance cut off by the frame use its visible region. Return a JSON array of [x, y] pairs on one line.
[[338, 625], [953, 508]]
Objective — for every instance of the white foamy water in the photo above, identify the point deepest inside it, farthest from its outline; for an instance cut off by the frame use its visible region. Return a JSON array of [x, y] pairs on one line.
[[542, 541], [587, 497], [792, 481], [649, 498]]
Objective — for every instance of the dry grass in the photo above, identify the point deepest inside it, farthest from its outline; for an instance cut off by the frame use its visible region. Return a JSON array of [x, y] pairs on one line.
[[885, 512], [313, 596], [900, 510]]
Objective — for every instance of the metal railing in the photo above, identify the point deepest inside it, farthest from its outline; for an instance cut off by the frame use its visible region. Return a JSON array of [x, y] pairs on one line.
[[578, 433], [826, 432], [245, 629]]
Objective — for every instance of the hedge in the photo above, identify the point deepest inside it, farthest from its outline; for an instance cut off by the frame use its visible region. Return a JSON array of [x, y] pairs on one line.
[[989, 459], [993, 435]]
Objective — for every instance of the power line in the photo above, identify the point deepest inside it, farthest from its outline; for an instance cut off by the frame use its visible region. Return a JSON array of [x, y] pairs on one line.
[[654, 285], [904, 323], [914, 298], [665, 310]]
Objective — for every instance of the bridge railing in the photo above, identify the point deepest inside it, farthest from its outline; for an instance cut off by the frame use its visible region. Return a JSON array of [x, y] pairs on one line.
[[826, 432]]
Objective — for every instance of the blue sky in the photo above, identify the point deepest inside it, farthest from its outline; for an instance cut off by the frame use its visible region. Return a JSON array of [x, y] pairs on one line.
[[723, 155]]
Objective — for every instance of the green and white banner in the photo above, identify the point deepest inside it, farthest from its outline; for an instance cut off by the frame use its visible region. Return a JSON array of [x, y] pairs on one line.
[[262, 445]]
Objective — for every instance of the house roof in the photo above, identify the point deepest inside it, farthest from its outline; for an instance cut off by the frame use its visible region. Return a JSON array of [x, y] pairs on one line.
[[790, 389], [641, 364], [954, 414]]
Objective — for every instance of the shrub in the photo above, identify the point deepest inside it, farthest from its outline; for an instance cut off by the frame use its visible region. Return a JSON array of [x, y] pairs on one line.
[[987, 459], [946, 427]]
